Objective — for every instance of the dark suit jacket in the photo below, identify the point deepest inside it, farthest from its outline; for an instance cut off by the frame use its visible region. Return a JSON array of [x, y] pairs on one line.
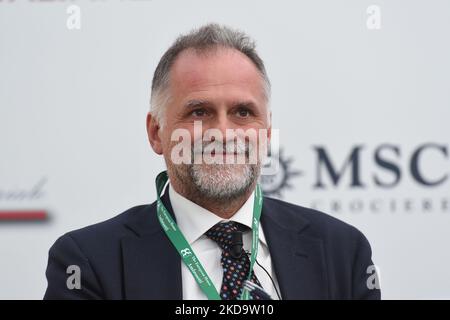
[[314, 255]]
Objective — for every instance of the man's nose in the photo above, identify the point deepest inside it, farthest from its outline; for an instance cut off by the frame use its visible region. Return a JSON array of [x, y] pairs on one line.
[[223, 123]]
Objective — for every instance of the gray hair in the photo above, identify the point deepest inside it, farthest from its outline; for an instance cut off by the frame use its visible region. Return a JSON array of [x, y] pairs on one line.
[[207, 37]]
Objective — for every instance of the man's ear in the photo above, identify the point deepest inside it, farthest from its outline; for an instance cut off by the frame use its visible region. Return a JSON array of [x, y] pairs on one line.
[[269, 134], [153, 134]]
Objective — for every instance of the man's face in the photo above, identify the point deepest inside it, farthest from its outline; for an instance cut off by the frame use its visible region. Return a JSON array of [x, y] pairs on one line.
[[223, 90]]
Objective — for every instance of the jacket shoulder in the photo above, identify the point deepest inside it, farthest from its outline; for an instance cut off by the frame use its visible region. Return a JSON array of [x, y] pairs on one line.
[[105, 236], [319, 224]]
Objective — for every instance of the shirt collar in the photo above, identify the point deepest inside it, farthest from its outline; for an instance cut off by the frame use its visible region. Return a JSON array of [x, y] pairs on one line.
[[194, 220]]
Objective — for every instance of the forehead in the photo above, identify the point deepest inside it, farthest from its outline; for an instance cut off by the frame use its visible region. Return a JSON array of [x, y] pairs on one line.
[[222, 69]]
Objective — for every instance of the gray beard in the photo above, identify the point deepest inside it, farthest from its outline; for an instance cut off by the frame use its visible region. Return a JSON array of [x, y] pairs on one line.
[[223, 182], [218, 182]]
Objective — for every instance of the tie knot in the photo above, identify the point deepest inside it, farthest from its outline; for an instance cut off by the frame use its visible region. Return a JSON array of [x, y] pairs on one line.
[[222, 233]]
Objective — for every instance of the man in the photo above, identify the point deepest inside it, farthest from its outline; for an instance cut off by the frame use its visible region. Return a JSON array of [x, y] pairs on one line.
[[212, 227]]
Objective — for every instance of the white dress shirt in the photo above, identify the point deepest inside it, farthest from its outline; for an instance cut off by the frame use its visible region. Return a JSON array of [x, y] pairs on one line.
[[194, 220]]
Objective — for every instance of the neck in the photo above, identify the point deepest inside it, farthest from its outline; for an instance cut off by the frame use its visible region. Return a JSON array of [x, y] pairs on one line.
[[224, 208]]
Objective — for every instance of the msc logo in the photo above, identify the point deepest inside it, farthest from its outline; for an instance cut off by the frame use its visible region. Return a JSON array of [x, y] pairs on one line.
[[386, 157], [275, 184], [388, 165]]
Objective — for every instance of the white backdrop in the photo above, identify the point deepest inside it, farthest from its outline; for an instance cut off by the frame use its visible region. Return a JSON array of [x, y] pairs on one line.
[[73, 104]]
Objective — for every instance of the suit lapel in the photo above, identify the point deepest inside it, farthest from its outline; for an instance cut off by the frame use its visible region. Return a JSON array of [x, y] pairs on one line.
[[298, 260], [151, 266]]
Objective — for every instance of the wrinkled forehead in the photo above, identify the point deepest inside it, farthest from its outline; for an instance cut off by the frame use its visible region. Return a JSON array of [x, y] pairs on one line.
[[195, 70]]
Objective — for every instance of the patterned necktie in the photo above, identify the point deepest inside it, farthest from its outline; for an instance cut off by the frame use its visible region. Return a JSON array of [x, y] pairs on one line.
[[235, 271]]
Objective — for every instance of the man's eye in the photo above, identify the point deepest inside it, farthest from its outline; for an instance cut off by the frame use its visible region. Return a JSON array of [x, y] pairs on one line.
[[243, 113], [199, 112]]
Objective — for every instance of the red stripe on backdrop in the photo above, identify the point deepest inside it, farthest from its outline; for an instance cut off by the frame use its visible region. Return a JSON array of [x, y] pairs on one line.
[[23, 215]]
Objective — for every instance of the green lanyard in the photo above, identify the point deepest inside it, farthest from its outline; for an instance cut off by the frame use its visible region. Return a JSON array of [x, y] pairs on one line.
[[184, 249]]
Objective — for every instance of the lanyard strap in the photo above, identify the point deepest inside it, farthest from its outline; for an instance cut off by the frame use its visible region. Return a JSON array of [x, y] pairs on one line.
[[184, 249]]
